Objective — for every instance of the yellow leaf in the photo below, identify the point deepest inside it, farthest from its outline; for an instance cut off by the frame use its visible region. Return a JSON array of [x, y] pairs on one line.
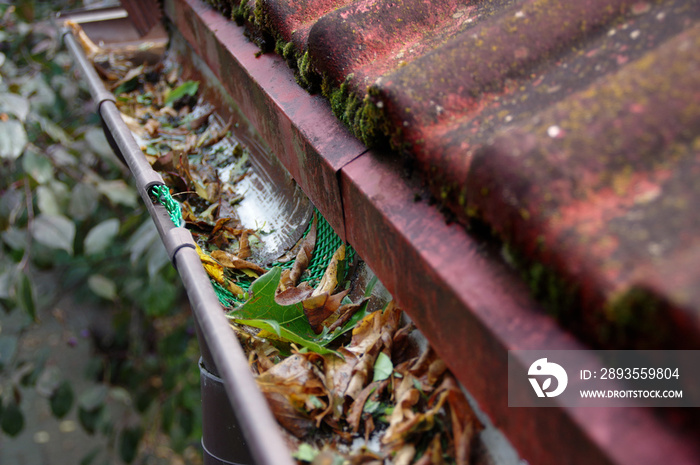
[[229, 260], [234, 288], [212, 267]]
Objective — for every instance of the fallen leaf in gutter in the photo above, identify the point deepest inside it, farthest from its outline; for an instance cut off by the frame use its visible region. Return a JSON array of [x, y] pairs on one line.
[[354, 415], [152, 126], [304, 255], [295, 390], [346, 312], [294, 295], [229, 260], [216, 271], [319, 308], [330, 277], [243, 245]]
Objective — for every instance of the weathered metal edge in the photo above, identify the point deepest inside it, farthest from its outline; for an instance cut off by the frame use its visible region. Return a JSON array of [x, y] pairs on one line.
[[261, 430], [473, 310]]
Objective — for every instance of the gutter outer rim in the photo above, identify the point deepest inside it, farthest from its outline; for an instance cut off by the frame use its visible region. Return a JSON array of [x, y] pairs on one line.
[[260, 429]]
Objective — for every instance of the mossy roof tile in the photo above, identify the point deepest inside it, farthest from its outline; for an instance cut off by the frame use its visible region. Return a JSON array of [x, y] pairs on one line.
[[570, 127]]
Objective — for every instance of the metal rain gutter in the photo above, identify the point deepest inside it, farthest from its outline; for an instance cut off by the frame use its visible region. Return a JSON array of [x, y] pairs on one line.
[[220, 348], [474, 309]]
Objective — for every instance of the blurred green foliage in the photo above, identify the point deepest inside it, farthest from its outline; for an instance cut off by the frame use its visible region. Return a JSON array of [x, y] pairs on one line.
[[66, 207]]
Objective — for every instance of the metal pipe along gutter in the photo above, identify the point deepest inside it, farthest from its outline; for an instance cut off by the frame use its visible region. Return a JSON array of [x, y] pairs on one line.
[[470, 306], [259, 427]]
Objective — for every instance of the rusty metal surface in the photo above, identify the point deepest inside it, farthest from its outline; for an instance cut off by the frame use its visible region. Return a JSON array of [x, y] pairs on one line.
[[143, 13], [473, 310], [312, 148]]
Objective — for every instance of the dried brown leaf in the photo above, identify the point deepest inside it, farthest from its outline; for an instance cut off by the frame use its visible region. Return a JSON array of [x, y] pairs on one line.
[[211, 136], [200, 120], [216, 271], [286, 283], [354, 415], [405, 455], [329, 281], [294, 295], [243, 245], [320, 307], [338, 373], [229, 260], [91, 49], [305, 253], [152, 126], [345, 313], [294, 389], [433, 454]]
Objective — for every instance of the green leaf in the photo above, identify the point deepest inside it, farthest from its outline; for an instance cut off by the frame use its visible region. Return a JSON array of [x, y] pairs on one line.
[[262, 305], [89, 419], [37, 166], [263, 312], [93, 398], [13, 138], [5, 284], [83, 201], [95, 137], [55, 231], [47, 201], [102, 286], [129, 443], [101, 236], [53, 130], [62, 400], [25, 295], [305, 452], [91, 456], [121, 395], [12, 421], [15, 105], [382, 367], [371, 406], [119, 192], [8, 348], [288, 322], [186, 88], [15, 238], [12, 201], [49, 381], [286, 335]]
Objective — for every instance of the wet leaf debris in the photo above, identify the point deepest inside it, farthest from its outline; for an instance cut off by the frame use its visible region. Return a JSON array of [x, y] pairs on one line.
[[347, 381]]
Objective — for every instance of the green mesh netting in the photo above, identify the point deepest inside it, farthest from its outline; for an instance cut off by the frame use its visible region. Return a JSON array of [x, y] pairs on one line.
[[327, 242], [162, 194]]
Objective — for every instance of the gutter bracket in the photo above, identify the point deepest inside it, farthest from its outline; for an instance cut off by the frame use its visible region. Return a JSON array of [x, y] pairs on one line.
[[174, 240]]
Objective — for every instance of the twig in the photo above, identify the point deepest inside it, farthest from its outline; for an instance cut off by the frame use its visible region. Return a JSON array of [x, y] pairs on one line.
[[30, 220]]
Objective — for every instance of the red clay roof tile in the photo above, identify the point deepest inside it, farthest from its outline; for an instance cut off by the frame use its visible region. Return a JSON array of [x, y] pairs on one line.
[[569, 127]]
